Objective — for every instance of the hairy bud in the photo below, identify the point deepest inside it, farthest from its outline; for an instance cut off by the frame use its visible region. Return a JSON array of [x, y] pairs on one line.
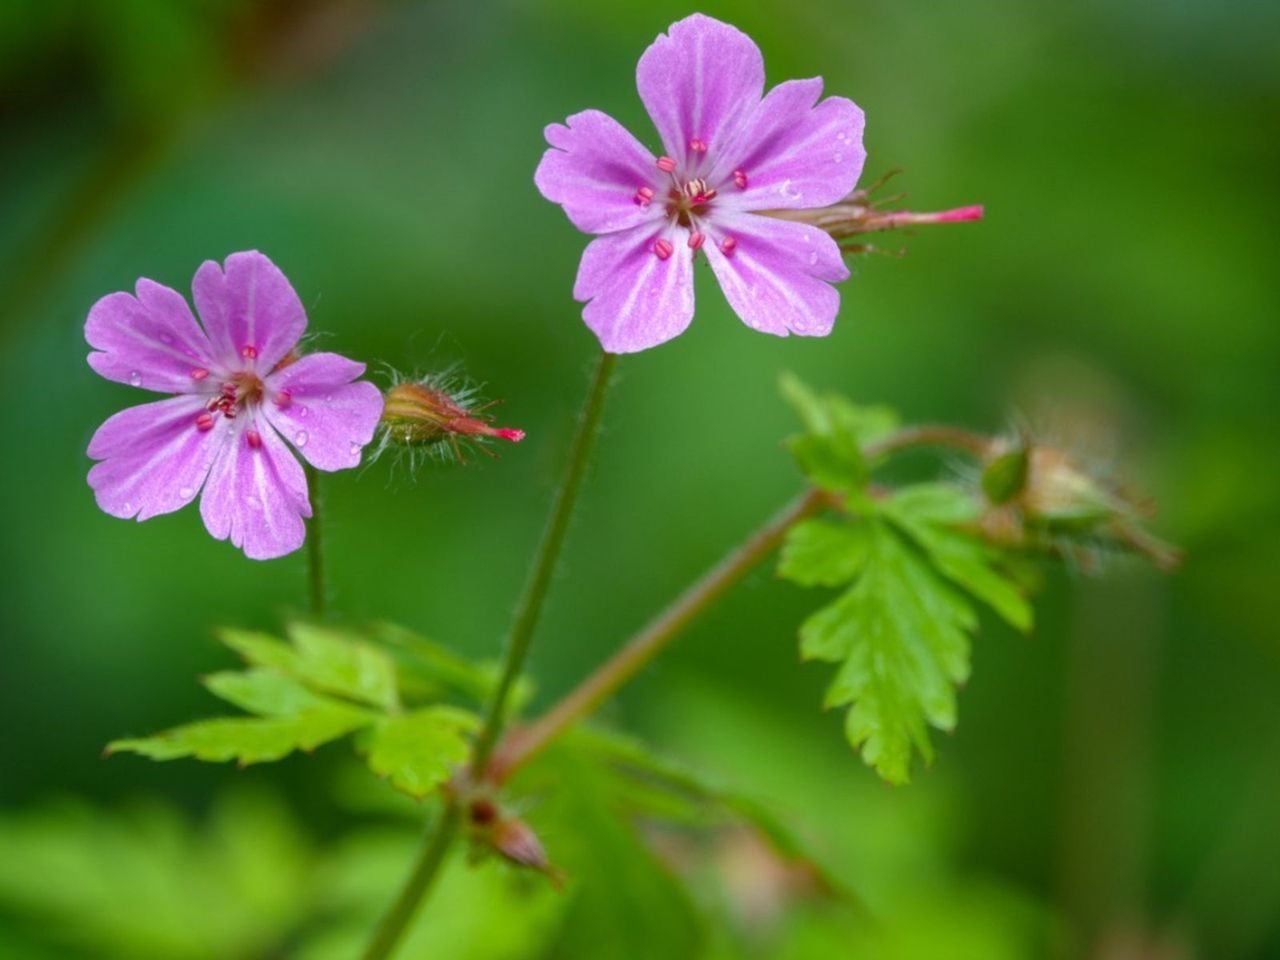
[[434, 417], [508, 836]]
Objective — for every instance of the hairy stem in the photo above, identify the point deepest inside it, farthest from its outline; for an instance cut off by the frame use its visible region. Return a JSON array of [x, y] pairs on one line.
[[435, 846], [931, 435], [315, 546], [439, 838], [544, 561], [645, 645]]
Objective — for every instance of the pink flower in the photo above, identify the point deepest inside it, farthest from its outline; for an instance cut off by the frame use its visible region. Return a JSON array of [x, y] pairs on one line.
[[731, 152], [240, 392]]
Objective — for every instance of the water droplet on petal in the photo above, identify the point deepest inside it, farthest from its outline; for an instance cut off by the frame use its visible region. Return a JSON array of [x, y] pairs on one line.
[[355, 450], [300, 438], [328, 398], [135, 379], [127, 506], [302, 411], [838, 157], [186, 493], [813, 259], [253, 502]]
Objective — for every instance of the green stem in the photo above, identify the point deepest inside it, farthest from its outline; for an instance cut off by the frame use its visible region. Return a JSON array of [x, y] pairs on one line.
[[544, 561], [438, 839], [522, 745], [435, 845], [315, 546]]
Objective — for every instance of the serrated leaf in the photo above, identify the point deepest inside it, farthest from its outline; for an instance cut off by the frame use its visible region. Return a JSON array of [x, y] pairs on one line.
[[932, 514], [824, 553], [418, 751], [902, 638], [829, 452], [261, 649], [340, 662], [433, 664], [247, 739], [264, 692]]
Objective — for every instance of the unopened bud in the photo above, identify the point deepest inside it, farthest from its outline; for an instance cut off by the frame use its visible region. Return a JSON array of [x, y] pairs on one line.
[[426, 415], [509, 836]]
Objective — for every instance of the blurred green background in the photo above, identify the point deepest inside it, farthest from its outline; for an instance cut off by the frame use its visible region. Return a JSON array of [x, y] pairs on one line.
[[1112, 788]]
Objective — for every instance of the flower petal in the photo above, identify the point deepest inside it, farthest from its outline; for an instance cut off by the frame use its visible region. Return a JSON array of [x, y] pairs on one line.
[[256, 495], [794, 154], [314, 404], [251, 306], [154, 458], [637, 300], [150, 340], [699, 81], [594, 169], [777, 278]]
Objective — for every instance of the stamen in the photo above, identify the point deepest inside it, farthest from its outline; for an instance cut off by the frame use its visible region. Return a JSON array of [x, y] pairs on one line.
[[199, 373], [204, 422], [253, 438], [697, 146], [696, 240], [662, 249], [728, 245], [740, 179], [249, 352], [643, 196], [666, 165], [283, 399]]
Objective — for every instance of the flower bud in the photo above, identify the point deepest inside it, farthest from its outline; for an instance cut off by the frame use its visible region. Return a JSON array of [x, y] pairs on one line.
[[508, 836], [427, 415]]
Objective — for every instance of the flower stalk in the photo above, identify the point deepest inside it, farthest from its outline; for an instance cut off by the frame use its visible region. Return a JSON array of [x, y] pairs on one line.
[[316, 590]]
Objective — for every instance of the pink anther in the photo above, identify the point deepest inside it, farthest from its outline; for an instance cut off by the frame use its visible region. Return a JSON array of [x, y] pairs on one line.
[[698, 146], [728, 245], [204, 422], [199, 373], [249, 352], [253, 438], [740, 179], [666, 165], [643, 196], [662, 249], [696, 240], [283, 399]]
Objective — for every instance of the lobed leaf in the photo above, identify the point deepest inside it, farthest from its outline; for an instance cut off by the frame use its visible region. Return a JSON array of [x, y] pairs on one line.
[[248, 739], [417, 751]]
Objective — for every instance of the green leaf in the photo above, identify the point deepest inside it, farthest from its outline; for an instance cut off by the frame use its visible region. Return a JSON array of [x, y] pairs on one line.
[[325, 659], [829, 452], [418, 751], [264, 692], [342, 663], [932, 515], [824, 553], [247, 739], [901, 636], [434, 665]]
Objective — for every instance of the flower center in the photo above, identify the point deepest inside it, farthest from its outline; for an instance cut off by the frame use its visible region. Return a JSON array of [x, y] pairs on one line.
[[239, 391], [691, 200]]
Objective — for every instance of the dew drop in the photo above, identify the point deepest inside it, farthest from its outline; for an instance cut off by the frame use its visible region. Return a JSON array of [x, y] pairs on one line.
[[253, 502], [328, 398], [186, 493], [302, 411], [838, 157], [166, 338], [135, 379], [300, 438], [355, 450], [813, 259], [127, 506]]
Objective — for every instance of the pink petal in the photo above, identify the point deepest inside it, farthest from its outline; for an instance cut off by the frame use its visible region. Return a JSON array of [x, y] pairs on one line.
[[154, 458], [795, 155], [637, 300], [314, 404], [150, 341], [594, 169], [699, 81], [777, 277], [249, 310], [256, 496]]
